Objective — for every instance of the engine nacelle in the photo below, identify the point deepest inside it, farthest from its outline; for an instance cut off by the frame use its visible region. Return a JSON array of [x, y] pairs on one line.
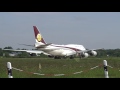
[[93, 53], [50, 56], [85, 55], [32, 54]]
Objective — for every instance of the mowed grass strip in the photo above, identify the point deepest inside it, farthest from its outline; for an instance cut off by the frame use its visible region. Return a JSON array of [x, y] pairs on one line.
[[60, 68]]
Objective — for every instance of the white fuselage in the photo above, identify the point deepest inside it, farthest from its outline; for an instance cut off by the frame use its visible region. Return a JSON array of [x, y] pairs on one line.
[[62, 50]]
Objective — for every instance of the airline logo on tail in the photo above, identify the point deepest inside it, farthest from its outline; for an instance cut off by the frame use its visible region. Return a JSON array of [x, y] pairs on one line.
[[39, 37]]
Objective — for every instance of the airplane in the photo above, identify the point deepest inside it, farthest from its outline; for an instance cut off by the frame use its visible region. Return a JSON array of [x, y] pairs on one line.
[[58, 51]]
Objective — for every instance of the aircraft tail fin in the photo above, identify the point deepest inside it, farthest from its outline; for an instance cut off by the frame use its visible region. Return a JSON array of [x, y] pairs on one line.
[[40, 42], [38, 37]]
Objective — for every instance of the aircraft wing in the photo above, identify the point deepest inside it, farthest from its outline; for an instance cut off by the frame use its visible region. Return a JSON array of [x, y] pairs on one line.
[[29, 51], [88, 50]]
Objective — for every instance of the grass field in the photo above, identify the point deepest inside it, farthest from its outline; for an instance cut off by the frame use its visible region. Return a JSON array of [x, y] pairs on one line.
[[67, 67]]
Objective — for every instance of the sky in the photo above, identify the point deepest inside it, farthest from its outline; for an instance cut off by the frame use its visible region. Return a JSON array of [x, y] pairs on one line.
[[90, 29]]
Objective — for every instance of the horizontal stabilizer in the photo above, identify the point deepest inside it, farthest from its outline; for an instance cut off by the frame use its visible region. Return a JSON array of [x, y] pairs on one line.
[[27, 45], [41, 46]]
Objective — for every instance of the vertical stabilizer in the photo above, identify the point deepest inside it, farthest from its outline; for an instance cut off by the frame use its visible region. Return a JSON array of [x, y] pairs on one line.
[[38, 37]]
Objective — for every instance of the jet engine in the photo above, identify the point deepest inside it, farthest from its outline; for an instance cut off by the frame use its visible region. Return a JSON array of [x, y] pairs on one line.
[[32, 54], [93, 53], [84, 55]]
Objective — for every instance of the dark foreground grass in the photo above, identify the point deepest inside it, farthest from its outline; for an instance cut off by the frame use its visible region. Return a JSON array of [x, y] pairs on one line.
[[52, 67]]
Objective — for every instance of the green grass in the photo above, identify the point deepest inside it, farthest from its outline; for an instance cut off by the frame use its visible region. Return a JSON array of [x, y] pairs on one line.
[[68, 67]]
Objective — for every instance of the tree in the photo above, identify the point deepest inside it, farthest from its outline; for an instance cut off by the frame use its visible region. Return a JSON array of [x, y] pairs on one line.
[[1, 52], [9, 47], [23, 54]]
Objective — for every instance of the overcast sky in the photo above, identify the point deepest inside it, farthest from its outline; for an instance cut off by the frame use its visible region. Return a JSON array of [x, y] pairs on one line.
[[91, 29]]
